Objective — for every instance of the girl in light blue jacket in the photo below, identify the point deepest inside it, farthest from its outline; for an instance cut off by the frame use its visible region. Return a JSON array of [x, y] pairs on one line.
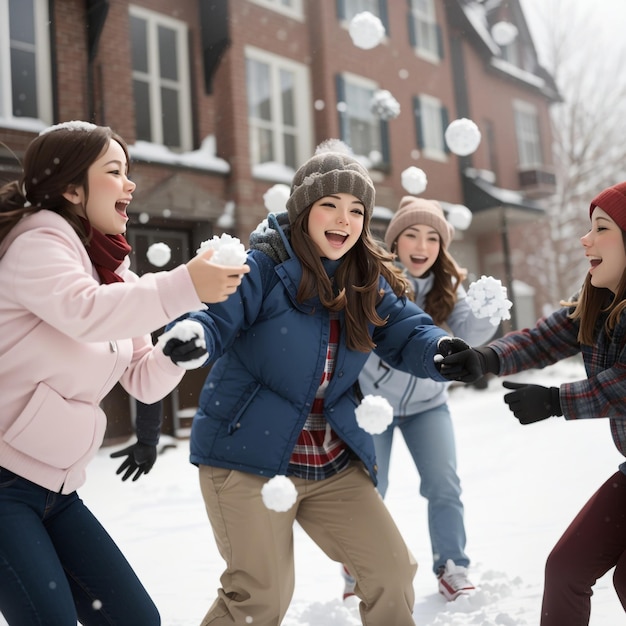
[[419, 235]]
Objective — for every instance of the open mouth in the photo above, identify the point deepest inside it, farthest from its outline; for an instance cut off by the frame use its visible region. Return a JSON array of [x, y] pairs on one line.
[[121, 207], [418, 260], [595, 262], [336, 238]]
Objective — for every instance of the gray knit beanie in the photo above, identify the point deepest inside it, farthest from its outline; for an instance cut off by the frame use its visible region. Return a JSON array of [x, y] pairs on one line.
[[413, 210], [332, 170]]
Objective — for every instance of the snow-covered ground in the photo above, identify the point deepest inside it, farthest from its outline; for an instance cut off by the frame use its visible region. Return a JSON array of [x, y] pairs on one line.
[[522, 486]]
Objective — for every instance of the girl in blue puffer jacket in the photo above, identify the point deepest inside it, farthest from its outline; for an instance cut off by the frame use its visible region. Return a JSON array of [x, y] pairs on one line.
[[280, 399]]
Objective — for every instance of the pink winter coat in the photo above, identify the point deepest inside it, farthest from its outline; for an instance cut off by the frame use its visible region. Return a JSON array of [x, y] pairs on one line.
[[66, 341]]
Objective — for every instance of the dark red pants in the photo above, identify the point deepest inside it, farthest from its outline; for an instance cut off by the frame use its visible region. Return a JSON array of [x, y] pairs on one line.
[[594, 543]]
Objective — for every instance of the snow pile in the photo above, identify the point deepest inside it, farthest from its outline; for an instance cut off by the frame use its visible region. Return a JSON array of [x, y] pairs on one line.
[[462, 136], [384, 105], [279, 493], [487, 298], [159, 254], [366, 30], [275, 198], [374, 414], [228, 250], [187, 330], [414, 180]]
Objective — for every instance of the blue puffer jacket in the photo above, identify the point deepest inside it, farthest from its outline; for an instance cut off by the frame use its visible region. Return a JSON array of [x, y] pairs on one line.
[[269, 353]]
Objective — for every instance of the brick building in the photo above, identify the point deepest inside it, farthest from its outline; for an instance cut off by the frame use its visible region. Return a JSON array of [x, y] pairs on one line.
[[221, 99]]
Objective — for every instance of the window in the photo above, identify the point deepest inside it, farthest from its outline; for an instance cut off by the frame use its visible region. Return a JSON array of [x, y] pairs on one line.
[[431, 121], [161, 85], [347, 9], [25, 74], [363, 131], [528, 137], [424, 32], [279, 109], [292, 8]]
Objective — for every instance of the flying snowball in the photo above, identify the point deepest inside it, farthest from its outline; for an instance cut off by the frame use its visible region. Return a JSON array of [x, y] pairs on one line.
[[159, 254], [462, 136], [487, 298], [414, 180], [504, 33], [366, 30], [374, 414], [275, 198], [384, 105], [279, 493], [459, 216], [228, 250]]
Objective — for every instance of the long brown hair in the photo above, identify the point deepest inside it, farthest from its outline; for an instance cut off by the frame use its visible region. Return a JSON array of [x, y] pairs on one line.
[[592, 302], [54, 161], [355, 285]]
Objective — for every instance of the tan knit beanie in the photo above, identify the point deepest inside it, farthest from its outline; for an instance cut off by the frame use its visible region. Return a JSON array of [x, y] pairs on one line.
[[332, 170], [413, 210]]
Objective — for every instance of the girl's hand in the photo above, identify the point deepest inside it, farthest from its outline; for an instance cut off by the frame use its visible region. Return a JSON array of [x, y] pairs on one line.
[[214, 283]]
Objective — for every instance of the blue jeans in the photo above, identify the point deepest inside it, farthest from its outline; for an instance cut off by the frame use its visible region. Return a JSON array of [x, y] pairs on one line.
[[58, 564], [429, 436]]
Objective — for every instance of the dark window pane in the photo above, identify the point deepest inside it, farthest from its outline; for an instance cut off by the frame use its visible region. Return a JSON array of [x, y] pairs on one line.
[[142, 110], [289, 142], [171, 117], [139, 44], [167, 53], [287, 92], [21, 21], [24, 84], [259, 103]]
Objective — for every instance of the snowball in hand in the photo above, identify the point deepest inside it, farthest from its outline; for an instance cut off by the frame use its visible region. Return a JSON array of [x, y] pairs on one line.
[[159, 254], [487, 298], [228, 250], [414, 180], [374, 414], [462, 136], [366, 30], [384, 105], [279, 493], [275, 198], [187, 330]]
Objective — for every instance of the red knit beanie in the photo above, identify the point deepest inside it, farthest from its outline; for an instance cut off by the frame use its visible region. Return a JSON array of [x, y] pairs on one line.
[[613, 202]]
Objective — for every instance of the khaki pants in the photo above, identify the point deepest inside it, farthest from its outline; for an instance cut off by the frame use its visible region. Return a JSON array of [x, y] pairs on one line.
[[346, 518]]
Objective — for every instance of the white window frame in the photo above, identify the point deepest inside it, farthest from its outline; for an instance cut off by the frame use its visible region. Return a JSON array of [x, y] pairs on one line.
[[290, 8], [370, 85], [302, 128], [42, 63], [528, 134], [353, 7], [155, 82], [426, 20], [431, 128]]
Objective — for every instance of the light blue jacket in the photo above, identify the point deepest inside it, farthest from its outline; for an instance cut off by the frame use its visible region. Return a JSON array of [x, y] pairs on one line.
[[269, 353], [407, 394]]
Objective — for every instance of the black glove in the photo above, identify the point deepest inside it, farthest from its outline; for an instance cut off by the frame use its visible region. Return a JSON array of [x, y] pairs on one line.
[[532, 403], [465, 364], [140, 458], [180, 351]]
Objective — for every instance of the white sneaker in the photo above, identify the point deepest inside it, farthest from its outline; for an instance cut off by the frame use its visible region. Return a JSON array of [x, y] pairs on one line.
[[350, 583], [453, 581]]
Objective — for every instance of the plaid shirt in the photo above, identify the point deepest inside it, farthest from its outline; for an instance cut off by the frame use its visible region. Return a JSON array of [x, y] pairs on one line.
[[319, 453]]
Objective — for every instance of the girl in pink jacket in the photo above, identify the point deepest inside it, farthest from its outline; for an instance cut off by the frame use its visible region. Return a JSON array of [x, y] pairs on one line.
[[75, 321]]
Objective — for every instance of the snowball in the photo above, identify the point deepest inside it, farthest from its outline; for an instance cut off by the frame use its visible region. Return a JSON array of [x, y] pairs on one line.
[[374, 414], [187, 330], [159, 254], [275, 198], [228, 250], [384, 105], [366, 30], [504, 33], [279, 493], [487, 298], [459, 216], [414, 180], [462, 136]]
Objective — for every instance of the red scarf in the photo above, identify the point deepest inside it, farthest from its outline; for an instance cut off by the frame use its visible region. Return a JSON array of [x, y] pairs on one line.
[[106, 253]]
